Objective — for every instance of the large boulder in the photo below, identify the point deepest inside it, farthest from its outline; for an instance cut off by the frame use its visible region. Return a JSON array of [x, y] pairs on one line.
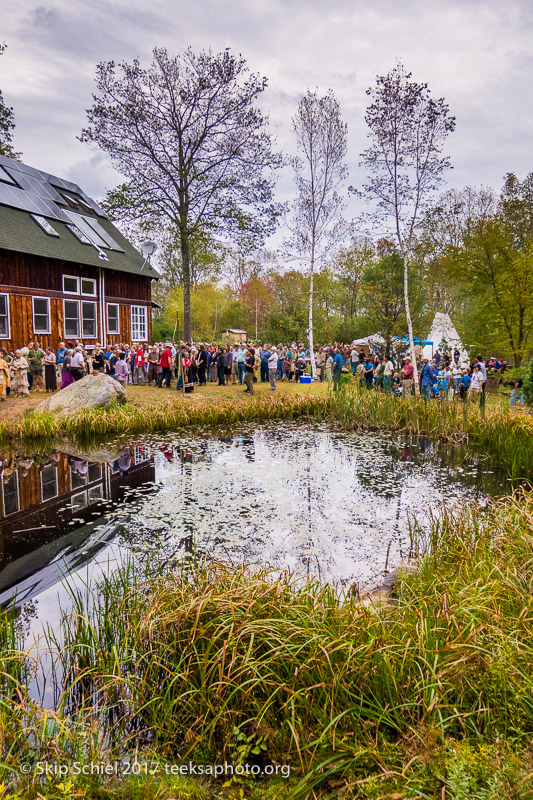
[[89, 392]]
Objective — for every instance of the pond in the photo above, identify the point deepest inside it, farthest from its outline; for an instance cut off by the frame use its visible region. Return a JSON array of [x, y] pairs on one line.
[[294, 496]]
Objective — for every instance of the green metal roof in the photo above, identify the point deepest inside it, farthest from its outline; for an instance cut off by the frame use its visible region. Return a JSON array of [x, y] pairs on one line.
[[25, 191], [19, 232]]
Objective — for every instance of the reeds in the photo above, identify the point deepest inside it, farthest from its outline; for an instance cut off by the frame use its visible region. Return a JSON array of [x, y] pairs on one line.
[[416, 697]]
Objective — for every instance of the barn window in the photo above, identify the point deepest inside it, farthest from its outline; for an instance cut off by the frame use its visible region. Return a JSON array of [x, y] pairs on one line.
[[11, 495], [41, 315], [71, 284], [88, 286], [88, 320], [48, 482], [113, 318], [4, 316], [139, 331], [71, 310]]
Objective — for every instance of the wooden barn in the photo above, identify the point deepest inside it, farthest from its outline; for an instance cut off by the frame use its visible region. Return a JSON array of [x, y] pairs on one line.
[[66, 272]]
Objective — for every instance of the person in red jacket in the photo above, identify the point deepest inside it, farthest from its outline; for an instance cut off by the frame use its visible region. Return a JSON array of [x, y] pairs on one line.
[[138, 366], [166, 364]]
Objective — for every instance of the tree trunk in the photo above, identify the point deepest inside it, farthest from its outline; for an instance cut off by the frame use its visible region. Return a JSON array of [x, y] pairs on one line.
[[409, 322], [185, 258], [310, 335]]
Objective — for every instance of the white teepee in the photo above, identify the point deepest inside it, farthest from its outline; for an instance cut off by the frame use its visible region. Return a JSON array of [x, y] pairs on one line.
[[444, 329]]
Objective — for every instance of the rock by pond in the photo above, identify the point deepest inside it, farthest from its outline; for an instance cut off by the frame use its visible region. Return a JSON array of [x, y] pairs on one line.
[[89, 392]]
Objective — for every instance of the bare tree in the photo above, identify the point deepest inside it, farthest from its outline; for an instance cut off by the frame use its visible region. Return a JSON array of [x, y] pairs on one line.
[[405, 162], [194, 148], [319, 169]]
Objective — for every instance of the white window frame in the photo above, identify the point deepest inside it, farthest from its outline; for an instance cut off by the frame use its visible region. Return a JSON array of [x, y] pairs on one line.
[[74, 278], [87, 294], [6, 335], [71, 335], [16, 476], [49, 326], [88, 335], [117, 306], [52, 467], [135, 338]]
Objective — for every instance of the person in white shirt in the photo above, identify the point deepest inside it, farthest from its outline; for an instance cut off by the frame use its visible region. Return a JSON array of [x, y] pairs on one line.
[[77, 364], [388, 372], [477, 381], [354, 355], [273, 367]]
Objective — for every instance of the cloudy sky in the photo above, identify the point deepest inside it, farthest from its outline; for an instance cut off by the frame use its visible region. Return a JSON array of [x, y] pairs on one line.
[[477, 55]]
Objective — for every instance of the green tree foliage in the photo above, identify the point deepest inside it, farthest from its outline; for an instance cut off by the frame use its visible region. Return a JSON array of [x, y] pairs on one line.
[[479, 251], [7, 124]]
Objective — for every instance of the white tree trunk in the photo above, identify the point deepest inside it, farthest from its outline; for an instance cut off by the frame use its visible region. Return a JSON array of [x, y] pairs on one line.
[[409, 322], [311, 339]]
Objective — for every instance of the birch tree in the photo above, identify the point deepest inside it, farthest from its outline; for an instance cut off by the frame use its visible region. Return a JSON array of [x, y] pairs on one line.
[[319, 169], [405, 164]]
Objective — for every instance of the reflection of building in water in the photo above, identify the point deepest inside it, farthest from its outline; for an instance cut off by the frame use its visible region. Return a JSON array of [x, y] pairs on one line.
[[41, 497]]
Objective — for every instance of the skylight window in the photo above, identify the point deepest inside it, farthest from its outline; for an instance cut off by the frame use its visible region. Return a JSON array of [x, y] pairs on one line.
[[6, 177], [43, 223]]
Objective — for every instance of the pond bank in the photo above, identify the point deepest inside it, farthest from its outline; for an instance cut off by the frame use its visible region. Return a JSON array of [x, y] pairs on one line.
[[505, 434], [426, 697]]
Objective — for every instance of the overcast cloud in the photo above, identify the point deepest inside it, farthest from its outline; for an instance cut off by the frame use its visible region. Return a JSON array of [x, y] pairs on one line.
[[475, 54]]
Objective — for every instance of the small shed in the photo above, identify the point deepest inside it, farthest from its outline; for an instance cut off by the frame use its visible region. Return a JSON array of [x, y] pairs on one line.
[[234, 335]]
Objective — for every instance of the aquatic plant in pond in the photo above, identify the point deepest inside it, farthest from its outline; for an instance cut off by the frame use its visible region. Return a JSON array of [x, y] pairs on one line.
[[437, 687]]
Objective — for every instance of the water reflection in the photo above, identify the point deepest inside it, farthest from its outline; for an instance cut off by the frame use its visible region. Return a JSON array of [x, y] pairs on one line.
[[285, 495], [50, 503]]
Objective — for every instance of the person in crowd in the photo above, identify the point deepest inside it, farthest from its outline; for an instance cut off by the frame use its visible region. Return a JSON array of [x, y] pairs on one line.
[[201, 365], [166, 366], [220, 366], [407, 373], [273, 367], [66, 375], [264, 355], [475, 389], [426, 379], [235, 364], [138, 366], [153, 364], [228, 364], [98, 361], [5, 377], [121, 370], [443, 381], [517, 395], [379, 374], [35, 361], [368, 372], [483, 370], [249, 365], [354, 356], [320, 364], [186, 366], [464, 385], [388, 372], [50, 377], [19, 368], [77, 364], [337, 369]]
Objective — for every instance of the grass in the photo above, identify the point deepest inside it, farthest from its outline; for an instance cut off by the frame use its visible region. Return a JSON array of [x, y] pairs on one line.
[[431, 696]]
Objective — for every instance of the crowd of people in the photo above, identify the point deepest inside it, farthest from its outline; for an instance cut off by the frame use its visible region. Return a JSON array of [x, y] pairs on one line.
[[243, 363]]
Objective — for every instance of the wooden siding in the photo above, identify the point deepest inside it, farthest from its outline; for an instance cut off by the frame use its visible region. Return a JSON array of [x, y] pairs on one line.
[[25, 276]]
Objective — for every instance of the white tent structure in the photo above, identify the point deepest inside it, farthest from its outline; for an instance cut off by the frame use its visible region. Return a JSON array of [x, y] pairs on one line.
[[443, 329]]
